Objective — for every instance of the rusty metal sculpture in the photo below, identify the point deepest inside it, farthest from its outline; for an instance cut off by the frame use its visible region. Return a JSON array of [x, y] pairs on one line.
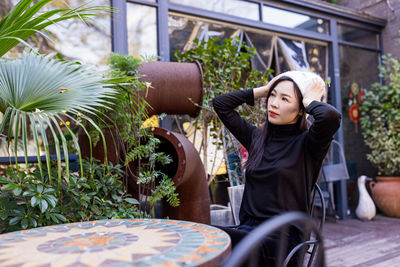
[[189, 177], [176, 88]]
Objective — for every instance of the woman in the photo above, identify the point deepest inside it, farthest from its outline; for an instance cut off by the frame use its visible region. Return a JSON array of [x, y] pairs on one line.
[[284, 157]]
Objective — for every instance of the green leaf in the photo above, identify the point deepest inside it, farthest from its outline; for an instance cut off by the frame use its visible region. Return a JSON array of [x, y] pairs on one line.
[[82, 214], [60, 217], [17, 190], [43, 205], [96, 210], [49, 190], [24, 223], [51, 199], [3, 214], [35, 200], [15, 220], [109, 202], [131, 200], [39, 189], [52, 217], [28, 193], [5, 180], [9, 186], [19, 212], [32, 221]]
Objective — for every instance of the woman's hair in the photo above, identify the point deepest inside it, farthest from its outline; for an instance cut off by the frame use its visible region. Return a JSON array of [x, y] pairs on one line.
[[260, 137]]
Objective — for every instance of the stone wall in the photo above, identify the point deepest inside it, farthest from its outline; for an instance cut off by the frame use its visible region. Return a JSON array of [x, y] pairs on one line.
[[385, 9]]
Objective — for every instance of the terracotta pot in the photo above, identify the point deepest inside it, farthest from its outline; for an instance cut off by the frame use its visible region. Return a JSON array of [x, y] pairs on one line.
[[386, 195]]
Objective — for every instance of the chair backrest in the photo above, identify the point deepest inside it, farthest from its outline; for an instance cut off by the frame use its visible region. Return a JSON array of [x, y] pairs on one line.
[[317, 196], [279, 223], [312, 243], [334, 166]]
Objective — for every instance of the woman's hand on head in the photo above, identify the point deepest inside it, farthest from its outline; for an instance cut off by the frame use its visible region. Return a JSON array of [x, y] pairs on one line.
[[262, 91], [315, 92]]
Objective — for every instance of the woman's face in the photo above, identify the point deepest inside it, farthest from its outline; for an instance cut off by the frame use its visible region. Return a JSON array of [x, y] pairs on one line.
[[283, 104]]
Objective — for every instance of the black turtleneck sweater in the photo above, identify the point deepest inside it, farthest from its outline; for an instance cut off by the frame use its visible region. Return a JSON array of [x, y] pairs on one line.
[[291, 160]]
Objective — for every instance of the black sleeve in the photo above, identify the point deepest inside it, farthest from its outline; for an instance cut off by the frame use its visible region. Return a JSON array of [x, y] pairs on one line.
[[326, 123], [224, 106]]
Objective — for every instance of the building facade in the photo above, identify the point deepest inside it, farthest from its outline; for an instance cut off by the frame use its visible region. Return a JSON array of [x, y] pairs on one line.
[[388, 10], [341, 44]]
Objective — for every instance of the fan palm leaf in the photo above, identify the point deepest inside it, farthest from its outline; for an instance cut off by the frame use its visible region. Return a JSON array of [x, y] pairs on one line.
[[37, 90], [24, 20]]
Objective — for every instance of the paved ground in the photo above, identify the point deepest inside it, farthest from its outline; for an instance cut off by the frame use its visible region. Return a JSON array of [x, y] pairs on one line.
[[351, 242]]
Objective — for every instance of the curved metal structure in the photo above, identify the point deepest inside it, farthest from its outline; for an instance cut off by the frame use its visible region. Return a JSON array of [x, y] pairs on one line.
[[176, 88], [188, 174]]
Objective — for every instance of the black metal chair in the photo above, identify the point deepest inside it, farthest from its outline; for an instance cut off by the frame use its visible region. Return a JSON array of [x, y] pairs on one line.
[[334, 169], [312, 243], [246, 251]]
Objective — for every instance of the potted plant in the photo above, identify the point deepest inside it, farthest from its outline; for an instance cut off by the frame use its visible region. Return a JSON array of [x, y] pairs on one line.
[[380, 123]]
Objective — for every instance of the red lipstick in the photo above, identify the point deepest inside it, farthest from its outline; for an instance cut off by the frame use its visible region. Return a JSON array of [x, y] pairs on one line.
[[271, 113]]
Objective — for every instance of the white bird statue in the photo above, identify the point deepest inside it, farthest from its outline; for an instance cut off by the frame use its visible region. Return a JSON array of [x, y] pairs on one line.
[[366, 208]]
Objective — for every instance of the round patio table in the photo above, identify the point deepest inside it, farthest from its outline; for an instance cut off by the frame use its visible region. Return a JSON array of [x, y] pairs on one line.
[[118, 242]]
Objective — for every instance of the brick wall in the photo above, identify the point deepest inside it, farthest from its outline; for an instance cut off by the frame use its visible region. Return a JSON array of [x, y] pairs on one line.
[[386, 9]]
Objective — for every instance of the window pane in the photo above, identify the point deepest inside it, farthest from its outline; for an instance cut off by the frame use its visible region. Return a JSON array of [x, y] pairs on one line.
[[294, 20], [77, 40], [356, 78], [317, 59], [142, 30], [357, 35], [292, 55], [264, 48], [231, 7], [180, 31], [183, 30]]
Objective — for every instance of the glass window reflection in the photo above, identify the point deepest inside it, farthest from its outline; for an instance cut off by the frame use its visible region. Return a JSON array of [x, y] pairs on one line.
[[355, 78], [184, 30], [75, 39], [317, 57], [142, 30], [290, 54], [294, 20], [231, 7], [357, 35], [264, 45]]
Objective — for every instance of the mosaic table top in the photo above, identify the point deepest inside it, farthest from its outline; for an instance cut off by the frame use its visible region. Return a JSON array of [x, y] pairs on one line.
[[119, 242]]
